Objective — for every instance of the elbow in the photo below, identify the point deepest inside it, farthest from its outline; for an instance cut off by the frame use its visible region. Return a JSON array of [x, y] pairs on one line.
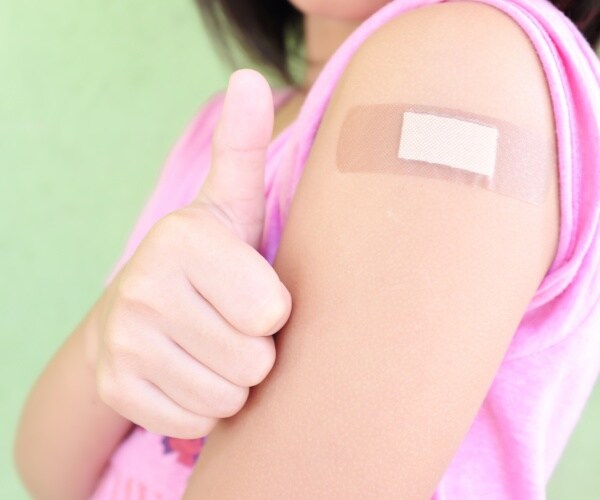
[[40, 479], [25, 465]]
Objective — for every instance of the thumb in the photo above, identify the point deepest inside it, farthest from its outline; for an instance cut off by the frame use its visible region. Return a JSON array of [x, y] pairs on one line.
[[235, 183]]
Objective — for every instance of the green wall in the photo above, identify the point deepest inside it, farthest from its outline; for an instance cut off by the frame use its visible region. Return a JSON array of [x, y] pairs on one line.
[[92, 96]]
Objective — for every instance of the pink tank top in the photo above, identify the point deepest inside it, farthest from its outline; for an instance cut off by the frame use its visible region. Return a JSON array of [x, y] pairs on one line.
[[553, 360]]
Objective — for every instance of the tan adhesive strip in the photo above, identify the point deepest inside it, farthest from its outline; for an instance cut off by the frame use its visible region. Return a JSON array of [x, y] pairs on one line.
[[448, 144]]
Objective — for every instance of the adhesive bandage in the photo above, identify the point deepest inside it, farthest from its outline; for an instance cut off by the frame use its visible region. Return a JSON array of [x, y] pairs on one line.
[[448, 144]]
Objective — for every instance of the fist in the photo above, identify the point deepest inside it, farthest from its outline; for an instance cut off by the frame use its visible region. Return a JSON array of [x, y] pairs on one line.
[[185, 328]]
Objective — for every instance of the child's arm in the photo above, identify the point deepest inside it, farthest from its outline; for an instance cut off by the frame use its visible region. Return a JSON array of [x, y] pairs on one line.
[[407, 286], [66, 433]]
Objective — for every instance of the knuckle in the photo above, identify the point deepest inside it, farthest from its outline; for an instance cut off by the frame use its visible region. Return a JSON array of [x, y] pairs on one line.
[[217, 211], [232, 402], [130, 289], [106, 390], [260, 359], [124, 352], [269, 313], [126, 327], [159, 426], [175, 226], [118, 342], [264, 357], [186, 428], [203, 427]]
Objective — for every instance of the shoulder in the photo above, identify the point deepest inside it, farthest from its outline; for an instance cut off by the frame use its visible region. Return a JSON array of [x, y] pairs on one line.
[[469, 59], [457, 54]]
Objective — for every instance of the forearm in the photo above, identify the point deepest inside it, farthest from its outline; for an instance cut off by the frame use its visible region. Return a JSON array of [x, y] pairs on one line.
[[66, 433]]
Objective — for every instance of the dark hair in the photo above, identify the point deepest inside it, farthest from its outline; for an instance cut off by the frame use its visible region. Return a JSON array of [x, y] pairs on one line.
[[270, 31]]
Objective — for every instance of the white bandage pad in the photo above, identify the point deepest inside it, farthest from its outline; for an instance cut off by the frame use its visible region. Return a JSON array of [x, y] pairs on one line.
[[448, 141]]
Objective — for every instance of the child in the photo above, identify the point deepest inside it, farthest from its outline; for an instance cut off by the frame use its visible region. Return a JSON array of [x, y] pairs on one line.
[[442, 339]]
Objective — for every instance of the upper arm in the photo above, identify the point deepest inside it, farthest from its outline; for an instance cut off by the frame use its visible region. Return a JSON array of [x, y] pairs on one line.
[[406, 290]]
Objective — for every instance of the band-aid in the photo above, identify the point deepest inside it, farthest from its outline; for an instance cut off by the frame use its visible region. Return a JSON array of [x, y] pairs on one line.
[[448, 144]]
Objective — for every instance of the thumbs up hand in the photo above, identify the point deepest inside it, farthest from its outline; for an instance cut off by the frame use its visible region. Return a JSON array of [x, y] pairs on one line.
[[235, 182], [185, 327]]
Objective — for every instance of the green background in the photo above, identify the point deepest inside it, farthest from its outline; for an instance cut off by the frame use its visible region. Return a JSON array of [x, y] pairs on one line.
[[92, 96]]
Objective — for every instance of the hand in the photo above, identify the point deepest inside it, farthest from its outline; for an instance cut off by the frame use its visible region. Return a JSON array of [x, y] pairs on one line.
[[185, 327]]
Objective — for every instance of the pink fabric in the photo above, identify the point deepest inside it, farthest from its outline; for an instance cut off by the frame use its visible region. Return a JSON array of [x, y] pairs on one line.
[[553, 361]]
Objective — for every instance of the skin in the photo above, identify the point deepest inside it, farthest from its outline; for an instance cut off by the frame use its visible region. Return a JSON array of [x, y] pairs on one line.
[[372, 401], [272, 419]]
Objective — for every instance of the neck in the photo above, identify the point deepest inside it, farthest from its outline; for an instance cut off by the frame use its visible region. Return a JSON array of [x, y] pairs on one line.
[[322, 38]]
